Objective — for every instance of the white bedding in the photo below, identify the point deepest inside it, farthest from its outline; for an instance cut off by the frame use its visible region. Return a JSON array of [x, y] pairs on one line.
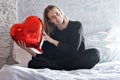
[[108, 44], [102, 71]]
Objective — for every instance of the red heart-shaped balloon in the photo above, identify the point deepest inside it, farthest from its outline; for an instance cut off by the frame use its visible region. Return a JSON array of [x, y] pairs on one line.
[[29, 32]]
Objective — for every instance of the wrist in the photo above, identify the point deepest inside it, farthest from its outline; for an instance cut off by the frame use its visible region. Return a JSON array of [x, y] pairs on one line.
[[55, 42], [31, 52]]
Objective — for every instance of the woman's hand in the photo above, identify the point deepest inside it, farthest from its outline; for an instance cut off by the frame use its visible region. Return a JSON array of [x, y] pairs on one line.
[[46, 37], [49, 39], [22, 45]]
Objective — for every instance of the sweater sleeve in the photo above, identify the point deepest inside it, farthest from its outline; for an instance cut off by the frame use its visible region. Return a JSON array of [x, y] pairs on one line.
[[75, 40]]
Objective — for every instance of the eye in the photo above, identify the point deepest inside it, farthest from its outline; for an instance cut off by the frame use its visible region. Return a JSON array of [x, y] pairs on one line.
[[57, 14], [52, 17]]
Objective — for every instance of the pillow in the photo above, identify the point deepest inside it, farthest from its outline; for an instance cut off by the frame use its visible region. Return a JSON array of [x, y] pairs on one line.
[[114, 34], [113, 39], [106, 42], [5, 47], [95, 40]]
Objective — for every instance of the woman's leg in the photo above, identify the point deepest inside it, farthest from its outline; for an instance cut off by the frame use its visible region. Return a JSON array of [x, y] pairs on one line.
[[40, 62], [88, 59]]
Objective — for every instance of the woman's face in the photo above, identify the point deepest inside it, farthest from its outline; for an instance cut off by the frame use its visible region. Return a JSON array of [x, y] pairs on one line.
[[55, 16]]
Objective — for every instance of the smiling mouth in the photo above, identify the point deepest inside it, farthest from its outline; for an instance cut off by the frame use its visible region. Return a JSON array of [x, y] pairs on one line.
[[59, 22]]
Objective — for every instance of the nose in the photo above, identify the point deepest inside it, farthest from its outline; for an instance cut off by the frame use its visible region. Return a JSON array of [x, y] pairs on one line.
[[56, 17]]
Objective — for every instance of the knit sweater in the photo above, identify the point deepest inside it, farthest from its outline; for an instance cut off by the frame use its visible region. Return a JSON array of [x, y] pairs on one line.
[[71, 42]]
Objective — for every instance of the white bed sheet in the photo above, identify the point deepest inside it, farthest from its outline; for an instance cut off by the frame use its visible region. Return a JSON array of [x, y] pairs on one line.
[[102, 71]]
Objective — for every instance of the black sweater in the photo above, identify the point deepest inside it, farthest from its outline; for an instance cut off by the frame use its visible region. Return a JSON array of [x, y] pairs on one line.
[[71, 42]]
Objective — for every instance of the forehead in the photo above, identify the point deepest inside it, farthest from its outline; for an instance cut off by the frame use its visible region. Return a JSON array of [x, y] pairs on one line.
[[53, 11]]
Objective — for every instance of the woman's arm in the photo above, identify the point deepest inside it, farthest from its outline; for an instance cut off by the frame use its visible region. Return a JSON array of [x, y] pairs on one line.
[[49, 39]]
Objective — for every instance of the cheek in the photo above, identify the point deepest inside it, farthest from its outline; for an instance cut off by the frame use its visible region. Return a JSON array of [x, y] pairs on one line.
[[53, 21], [62, 17]]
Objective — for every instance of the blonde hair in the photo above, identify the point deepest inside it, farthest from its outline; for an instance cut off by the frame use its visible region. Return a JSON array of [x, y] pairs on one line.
[[49, 27]]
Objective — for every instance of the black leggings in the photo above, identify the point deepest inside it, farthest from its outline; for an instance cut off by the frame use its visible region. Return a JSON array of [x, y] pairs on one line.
[[86, 60]]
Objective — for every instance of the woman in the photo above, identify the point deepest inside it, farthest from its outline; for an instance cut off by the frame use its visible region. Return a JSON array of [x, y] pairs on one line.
[[64, 44]]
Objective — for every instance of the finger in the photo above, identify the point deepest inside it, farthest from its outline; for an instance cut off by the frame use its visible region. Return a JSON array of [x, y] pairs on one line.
[[24, 44], [19, 43], [44, 33]]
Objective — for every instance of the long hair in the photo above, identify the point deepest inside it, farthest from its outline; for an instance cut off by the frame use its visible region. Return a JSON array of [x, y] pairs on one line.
[[49, 27]]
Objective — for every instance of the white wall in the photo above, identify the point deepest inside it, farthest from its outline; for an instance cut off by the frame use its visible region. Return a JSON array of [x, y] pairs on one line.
[[7, 12], [95, 15]]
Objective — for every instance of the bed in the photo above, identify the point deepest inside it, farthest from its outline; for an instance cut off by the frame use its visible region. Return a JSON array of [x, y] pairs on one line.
[[103, 71], [108, 68]]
